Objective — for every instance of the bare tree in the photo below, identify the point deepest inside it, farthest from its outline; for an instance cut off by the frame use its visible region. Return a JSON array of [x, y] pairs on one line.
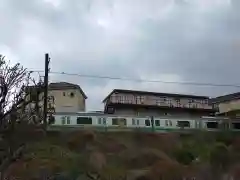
[[14, 90], [19, 103]]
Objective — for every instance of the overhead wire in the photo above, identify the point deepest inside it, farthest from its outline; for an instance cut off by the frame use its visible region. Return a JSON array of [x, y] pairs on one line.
[[142, 80]]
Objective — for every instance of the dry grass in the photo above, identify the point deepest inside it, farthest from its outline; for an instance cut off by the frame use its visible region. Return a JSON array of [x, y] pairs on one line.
[[97, 161], [79, 139], [141, 158], [164, 142], [113, 155]]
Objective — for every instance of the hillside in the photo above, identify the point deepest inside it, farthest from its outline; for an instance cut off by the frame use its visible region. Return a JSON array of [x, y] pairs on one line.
[[127, 155]]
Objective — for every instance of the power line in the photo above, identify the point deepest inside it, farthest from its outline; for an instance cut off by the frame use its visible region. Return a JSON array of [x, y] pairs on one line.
[[143, 80]]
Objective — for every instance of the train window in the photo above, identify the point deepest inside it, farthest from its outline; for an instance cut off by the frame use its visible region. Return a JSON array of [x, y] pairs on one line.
[[133, 122], [84, 120], [68, 120], [119, 121], [104, 120], [147, 122], [166, 122], [99, 120], [170, 123], [63, 120], [157, 122], [115, 121], [137, 122], [183, 124], [212, 125], [236, 125]]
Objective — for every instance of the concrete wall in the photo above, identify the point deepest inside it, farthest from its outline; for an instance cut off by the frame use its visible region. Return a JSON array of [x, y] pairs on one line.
[[229, 106], [64, 102]]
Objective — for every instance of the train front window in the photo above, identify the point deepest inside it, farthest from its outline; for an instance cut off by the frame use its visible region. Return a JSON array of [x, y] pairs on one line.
[[212, 125], [84, 120]]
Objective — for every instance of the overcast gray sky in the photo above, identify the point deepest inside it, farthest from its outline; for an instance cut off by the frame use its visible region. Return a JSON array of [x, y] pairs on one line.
[[169, 40]]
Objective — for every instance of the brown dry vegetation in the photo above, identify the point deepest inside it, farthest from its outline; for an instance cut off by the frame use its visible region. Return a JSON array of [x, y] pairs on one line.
[[114, 155]]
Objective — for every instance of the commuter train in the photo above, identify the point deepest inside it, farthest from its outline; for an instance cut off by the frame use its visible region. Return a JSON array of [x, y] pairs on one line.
[[164, 123]]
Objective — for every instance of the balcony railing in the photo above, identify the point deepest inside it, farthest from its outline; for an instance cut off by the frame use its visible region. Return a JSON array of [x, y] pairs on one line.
[[162, 102]]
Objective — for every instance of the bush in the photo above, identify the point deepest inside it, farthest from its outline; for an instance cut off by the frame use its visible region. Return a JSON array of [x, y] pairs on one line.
[[224, 137], [219, 156], [184, 156], [111, 145], [78, 140], [167, 170]]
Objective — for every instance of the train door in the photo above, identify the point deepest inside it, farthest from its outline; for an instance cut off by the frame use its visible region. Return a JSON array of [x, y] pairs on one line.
[[122, 122], [119, 122]]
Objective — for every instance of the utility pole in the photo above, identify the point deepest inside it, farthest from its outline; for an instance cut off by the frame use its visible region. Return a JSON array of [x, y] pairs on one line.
[[45, 110]]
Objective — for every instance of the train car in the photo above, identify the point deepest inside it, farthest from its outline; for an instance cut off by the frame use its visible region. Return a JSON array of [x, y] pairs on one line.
[[158, 124]]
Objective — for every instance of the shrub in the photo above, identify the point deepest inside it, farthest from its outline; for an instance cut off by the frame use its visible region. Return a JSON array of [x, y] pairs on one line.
[[184, 156], [236, 143], [219, 156], [224, 137]]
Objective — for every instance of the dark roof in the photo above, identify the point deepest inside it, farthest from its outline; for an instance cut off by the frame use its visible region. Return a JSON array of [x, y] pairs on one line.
[[155, 94], [227, 97], [65, 85]]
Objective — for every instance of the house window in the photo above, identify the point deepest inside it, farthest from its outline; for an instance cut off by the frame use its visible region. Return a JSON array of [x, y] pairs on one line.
[[68, 120], [71, 94], [178, 104], [140, 99], [183, 124], [63, 120], [158, 102], [121, 99], [64, 94], [157, 122], [147, 122], [84, 120]]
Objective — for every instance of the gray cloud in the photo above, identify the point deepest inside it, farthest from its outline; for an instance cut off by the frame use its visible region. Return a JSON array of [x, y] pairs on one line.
[[170, 40]]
